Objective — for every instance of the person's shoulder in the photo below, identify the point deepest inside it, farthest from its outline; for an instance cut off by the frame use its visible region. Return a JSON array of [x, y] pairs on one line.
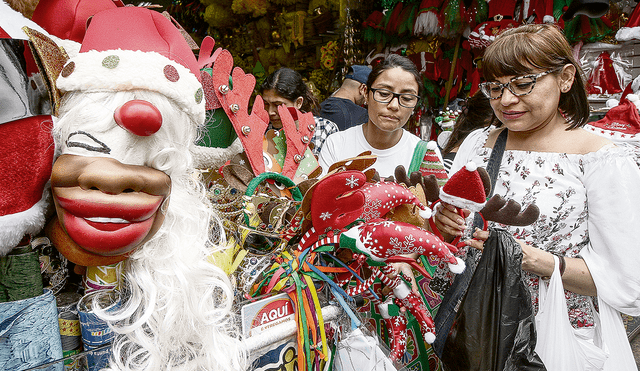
[[584, 141], [410, 137]]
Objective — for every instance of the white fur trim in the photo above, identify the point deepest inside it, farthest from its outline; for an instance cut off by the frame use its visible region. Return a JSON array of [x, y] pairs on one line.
[[429, 337], [457, 268], [135, 70], [613, 135], [548, 19], [461, 202], [384, 310], [213, 157], [402, 291], [15, 226], [426, 213], [72, 48], [628, 33], [12, 22]]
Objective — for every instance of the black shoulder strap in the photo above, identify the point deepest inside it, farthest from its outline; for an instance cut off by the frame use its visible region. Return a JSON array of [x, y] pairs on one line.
[[493, 166]]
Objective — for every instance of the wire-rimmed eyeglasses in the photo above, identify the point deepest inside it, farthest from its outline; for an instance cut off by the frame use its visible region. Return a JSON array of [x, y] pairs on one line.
[[404, 99], [518, 86]]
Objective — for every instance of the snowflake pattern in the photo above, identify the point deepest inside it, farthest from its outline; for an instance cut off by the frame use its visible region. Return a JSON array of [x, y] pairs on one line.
[[555, 183], [401, 247], [352, 182], [371, 209], [326, 215]]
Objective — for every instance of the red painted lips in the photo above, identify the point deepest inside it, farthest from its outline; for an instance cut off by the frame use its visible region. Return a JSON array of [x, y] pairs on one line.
[[106, 224]]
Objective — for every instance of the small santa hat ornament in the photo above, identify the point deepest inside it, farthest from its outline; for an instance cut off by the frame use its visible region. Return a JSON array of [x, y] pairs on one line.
[[631, 30], [432, 164], [133, 48], [621, 124], [465, 189]]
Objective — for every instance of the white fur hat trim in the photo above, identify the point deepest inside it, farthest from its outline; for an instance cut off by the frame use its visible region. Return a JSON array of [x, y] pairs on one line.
[[123, 70], [461, 202]]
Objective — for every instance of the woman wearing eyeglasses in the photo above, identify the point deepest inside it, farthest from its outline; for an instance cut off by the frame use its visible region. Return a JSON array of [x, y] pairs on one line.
[[586, 187], [393, 92]]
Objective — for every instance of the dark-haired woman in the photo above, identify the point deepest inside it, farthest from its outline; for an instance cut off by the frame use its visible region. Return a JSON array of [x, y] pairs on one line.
[[393, 92], [586, 187], [476, 113], [286, 86]]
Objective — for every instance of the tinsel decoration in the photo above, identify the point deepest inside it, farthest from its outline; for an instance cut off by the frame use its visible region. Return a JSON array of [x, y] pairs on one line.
[[349, 48]]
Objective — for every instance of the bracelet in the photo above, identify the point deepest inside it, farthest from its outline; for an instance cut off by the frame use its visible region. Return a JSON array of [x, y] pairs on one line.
[[563, 264]]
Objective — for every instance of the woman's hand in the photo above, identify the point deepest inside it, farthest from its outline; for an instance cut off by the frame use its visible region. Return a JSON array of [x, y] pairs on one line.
[[576, 277], [479, 237], [449, 222]]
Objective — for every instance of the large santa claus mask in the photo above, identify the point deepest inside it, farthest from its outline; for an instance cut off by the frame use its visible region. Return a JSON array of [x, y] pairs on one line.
[[129, 115]]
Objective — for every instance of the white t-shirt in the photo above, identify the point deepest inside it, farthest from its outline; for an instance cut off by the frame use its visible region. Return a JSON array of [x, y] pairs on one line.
[[351, 142]]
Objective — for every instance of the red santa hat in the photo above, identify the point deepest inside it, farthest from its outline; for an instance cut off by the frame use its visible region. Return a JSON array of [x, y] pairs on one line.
[[133, 48], [26, 144], [465, 189], [67, 19], [631, 30], [620, 124]]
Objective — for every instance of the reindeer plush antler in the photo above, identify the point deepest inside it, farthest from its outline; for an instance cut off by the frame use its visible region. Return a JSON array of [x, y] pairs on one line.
[[499, 210]]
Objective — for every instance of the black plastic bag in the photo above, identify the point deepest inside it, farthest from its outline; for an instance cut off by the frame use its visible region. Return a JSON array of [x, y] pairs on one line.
[[494, 328]]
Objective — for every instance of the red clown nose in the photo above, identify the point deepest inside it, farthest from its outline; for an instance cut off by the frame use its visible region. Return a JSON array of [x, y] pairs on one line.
[[139, 117]]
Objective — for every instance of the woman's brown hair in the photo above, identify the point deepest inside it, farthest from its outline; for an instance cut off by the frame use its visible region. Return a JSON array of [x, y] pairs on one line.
[[519, 51]]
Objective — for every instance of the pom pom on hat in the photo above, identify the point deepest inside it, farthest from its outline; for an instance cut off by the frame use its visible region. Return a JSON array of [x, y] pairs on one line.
[[465, 189], [457, 268]]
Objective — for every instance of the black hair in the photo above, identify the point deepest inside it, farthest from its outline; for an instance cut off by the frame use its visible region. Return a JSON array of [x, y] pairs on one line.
[[476, 113], [393, 61], [289, 84]]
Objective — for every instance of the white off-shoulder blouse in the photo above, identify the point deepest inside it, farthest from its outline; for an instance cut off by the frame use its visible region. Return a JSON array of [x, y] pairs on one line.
[[589, 207]]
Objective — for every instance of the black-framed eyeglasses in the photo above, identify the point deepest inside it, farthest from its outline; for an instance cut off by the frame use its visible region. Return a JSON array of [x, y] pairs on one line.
[[518, 86], [386, 96]]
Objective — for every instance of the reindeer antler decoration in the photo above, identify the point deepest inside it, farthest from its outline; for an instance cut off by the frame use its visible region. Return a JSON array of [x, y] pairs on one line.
[[468, 187], [235, 103], [297, 137]]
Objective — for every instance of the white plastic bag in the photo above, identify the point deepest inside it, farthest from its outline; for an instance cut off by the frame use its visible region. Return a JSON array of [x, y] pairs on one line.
[[559, 345], [359, 352]]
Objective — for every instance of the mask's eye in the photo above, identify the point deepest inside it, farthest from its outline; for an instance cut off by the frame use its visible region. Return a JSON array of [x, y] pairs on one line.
[[81, 139]]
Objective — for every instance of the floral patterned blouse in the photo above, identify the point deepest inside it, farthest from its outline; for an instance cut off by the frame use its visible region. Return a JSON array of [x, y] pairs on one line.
[[588, 204]]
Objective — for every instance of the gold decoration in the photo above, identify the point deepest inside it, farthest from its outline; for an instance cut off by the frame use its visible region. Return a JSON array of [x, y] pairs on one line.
[[50, 58]]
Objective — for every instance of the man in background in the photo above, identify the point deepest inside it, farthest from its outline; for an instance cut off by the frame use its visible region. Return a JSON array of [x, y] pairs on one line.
[[344, 106]]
